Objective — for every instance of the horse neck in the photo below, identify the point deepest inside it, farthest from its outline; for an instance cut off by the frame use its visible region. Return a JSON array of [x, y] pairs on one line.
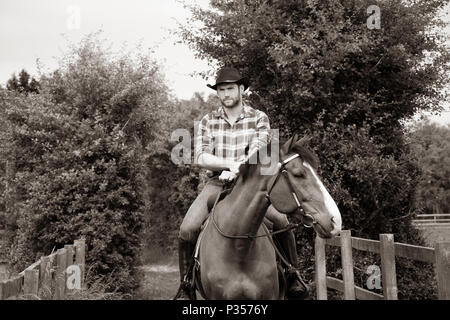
[[246, 205]]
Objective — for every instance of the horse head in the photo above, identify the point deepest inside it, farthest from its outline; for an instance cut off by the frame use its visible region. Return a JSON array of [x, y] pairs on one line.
[[296, 188]]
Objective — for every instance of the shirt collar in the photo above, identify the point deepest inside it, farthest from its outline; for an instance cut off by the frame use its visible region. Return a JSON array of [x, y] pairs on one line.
[[246, 113]]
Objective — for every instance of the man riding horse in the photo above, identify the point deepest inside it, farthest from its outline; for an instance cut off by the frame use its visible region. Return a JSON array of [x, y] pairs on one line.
[[226, 138]]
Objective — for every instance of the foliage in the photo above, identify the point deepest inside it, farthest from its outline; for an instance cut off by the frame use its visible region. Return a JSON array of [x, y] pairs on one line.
[[430, 144], [80, 158], [92, 157], [4, 146], [24, 84], [174, 187], [98, 287], [316, 68]]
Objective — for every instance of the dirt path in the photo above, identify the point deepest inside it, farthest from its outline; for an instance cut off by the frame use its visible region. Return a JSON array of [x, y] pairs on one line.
[[160, 282]]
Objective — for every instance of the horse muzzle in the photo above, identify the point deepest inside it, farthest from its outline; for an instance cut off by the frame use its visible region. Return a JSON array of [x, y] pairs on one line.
[[327, 228]]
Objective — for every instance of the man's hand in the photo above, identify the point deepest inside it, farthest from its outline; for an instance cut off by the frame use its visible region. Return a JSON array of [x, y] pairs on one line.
[[227, 176], [234, 167]]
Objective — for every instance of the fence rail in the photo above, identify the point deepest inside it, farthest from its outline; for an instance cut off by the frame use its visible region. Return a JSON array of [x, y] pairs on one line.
[[388, 250], [48, 276], [439, 219]]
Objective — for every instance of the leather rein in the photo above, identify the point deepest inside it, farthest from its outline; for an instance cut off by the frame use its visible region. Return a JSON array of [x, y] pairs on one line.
[[282, 172]]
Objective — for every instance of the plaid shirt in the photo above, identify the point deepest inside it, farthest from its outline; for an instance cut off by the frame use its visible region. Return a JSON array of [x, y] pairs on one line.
[[216, 136]]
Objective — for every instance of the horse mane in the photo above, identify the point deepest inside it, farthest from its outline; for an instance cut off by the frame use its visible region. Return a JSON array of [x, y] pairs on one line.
[[254, 159], [302, 147]]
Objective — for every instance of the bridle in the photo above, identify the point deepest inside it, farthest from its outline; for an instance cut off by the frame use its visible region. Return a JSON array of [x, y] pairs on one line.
[[308, 220]]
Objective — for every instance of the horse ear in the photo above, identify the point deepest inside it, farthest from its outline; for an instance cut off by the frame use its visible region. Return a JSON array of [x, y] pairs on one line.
[[303, 141], [288, 144]]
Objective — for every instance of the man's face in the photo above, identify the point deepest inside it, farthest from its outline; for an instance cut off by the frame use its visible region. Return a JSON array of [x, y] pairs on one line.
[[229, 94]]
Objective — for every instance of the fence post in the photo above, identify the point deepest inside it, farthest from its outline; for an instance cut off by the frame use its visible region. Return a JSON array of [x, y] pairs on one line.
[[31, 282], [80, 258], [347, 265], [61, 265], [442, 254], [45, 276], [70, 254], [388, 274], [321, 269], [70, 261]]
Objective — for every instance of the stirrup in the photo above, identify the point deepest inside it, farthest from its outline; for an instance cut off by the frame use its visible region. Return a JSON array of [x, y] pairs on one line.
[[293, 276], [187, 289]]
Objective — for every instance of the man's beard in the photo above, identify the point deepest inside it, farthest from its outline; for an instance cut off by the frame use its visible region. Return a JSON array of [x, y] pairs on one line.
[[235, 101]]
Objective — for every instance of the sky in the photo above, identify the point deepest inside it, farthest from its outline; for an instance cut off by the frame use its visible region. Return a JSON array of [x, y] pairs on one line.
[[31, 29], [39, 29]]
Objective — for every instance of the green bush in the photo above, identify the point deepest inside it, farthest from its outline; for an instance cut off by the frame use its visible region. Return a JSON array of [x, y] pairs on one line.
[[430, 144], [80, 150]]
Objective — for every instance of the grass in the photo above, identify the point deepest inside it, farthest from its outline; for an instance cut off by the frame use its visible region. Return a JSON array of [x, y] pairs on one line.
[[159, 279], [96, 290], [160, 275], [158, 255], [158, 285], [433, 234]]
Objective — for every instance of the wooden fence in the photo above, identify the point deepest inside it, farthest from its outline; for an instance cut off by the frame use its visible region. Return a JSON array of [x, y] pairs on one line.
[[388, 250], [439, 219], [48, 276]]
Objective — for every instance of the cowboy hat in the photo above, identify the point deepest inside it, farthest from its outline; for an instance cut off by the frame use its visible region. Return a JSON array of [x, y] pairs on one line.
[[229, 75]]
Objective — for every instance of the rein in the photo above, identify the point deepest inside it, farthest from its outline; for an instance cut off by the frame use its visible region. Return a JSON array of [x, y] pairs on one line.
[[281, 172]]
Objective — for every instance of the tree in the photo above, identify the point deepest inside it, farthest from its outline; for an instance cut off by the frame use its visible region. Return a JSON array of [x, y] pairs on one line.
[[13, 83], [317, 69], [80, 150], [23, 84], [430, 144], [179, 183]]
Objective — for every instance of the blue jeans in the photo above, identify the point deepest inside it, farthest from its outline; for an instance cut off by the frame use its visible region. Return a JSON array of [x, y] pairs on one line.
[[198, 211]]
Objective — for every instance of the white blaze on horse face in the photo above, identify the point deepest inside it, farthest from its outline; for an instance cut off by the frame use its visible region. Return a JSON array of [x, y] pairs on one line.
[[329, 203]]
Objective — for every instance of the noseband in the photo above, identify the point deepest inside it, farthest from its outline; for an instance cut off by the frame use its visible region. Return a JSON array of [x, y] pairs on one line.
[[307, 220]]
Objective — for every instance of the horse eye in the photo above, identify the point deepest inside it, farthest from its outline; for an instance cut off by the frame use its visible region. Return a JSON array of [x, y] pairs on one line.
[[299, 173]]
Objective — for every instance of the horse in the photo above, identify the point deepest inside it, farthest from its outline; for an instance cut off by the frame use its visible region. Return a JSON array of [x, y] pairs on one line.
[[236, 258]]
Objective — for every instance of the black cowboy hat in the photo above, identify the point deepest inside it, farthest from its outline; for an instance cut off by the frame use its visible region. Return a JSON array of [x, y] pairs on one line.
[[229, 75]]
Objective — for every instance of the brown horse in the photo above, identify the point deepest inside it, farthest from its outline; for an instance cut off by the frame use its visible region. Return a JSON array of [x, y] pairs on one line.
[[234, 264]]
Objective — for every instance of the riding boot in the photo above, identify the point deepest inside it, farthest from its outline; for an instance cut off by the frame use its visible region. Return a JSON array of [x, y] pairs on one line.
[[185, 259], [296, 287]]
